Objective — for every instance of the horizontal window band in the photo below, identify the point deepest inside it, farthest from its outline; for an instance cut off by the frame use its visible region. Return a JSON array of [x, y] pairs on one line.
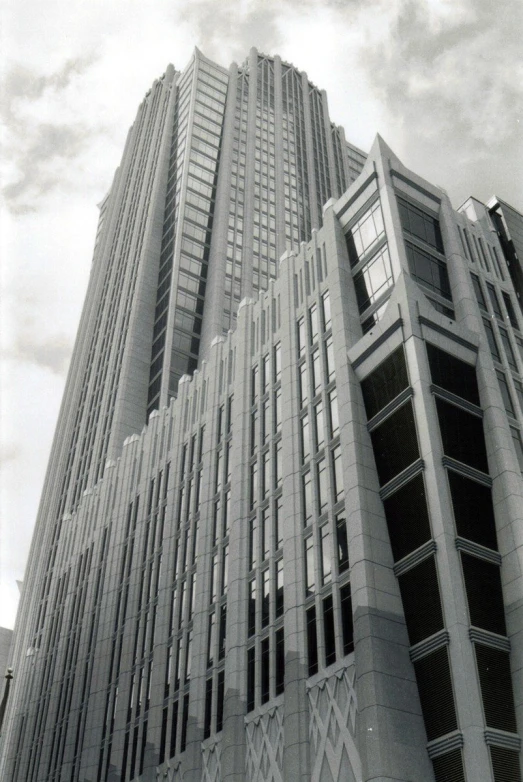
[[477, 550], [376, 344], [485, 638], [384, 413], [424, 321], [417, 187], [402, 478], [500, 738], [429, 645], [456, 400], [445, 744], [415, 557], [464, 469]]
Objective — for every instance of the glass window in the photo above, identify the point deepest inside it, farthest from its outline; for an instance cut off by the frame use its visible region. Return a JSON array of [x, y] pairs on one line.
[[279, 660], [462, 435], [385, 382], [505, 393], [265, 667], [491, 339], [420, 224], [337, 471], [333, 413], [494, 301], [319, 431], [310, 577], [365, 233], [453, 374], [329, 634], [251, 678], [312, 641], [428, 270], [266, 580], [279, 588], [277, 363], [395, 443], [316, 372], [304, 384], [326, 566], [342, 544], [480, 298], [511, 358], [307, 497], [346, 619], [326, 307], [313, 322], [321, 474], [516, 439], [329, 360], [277, 411], [302, 342], [510, 310], [373, 279], [251, 620]]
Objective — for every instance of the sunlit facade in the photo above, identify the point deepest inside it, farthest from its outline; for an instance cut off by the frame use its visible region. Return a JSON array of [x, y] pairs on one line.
[[280, 537]]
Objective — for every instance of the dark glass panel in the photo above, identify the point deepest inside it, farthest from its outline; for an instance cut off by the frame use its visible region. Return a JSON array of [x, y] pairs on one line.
[[385, 382], [407, 518], [453, 374], [421, 600], [329, 635], [484, 594], [312, 641], [346, 619], [473, 510], [395, 443], [462, 435]]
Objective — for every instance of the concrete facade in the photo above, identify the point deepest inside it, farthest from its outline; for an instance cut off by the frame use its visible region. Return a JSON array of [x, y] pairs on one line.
[[309, 565]]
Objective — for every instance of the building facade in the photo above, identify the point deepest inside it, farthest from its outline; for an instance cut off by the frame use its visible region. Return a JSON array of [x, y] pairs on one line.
[[309, 564]]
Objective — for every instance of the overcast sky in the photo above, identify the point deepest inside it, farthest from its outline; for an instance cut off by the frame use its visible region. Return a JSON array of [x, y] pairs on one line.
[[440, 80]]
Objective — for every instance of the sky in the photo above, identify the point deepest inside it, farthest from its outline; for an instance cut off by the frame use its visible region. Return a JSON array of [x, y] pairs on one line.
[[440, 80]]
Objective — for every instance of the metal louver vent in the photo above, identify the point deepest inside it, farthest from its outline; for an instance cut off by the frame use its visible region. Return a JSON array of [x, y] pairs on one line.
[[435, 692], [505, 764], [421, 600], [496, 688], [449, 767]]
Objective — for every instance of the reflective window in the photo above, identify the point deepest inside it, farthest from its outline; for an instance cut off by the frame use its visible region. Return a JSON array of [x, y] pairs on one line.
[[373, 279], [428, 270], [420, 224], [365, 233]]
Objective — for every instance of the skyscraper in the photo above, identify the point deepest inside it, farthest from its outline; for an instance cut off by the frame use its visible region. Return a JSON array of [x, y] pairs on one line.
[[307, 565]]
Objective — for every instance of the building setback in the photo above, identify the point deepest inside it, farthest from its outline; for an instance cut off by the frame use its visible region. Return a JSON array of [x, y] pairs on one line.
[[309, 565]]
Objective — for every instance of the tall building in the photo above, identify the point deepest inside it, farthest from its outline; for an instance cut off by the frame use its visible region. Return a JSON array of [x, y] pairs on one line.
[[269, 304]]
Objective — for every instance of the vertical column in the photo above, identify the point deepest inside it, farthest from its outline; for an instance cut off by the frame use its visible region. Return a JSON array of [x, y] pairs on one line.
[[296, 758], [278, 155], [233, 735]]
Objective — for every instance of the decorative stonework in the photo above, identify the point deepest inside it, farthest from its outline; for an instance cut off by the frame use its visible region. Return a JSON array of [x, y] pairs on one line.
[[211, 765], [332, 728], [265, 746], [171, 772]]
